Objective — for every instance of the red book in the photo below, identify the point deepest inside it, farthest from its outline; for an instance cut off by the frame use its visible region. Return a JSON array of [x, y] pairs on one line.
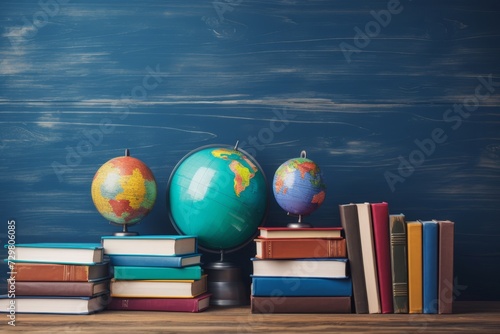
[[196, 304], [380, 220]]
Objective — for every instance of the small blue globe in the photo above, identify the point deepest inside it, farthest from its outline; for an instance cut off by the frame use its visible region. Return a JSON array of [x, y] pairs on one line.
[[218, 194], [298, 186]]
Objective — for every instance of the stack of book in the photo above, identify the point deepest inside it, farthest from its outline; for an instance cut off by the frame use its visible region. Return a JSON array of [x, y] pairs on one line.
[[156, 273], [398, 266], [63, 278], [300, 270]]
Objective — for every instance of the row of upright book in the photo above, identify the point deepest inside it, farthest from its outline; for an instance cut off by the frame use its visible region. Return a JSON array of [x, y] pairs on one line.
[[153, 273], [300, 270], [396, 265]]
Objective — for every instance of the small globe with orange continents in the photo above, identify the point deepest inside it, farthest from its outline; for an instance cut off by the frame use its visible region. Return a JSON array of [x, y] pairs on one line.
[[124, 190]]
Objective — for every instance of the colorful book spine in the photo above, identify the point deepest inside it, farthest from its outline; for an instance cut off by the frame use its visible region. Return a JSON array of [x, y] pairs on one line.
[[157, 273], [60, 272], [196, 304], [300, 248], [66, 289], [380, 220], [349, 221], [155, 260], [430, 266], [300, 304], [397, 228], [369, 260], [445, 283], [301, 287], [414, 267]]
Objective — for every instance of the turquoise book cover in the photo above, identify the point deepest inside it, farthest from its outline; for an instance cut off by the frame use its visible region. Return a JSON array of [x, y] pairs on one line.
[[157, 273]]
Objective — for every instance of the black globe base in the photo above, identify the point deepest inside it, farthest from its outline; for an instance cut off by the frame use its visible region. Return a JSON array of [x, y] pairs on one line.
[[125, 232], [298, 224], [225, 284]]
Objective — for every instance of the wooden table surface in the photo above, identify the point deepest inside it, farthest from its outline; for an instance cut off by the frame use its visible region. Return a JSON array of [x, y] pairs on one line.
[[468, 317]]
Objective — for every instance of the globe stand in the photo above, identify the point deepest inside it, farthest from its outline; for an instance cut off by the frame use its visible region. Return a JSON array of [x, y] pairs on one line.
[[125, 232], [298, 224], [225, 283]]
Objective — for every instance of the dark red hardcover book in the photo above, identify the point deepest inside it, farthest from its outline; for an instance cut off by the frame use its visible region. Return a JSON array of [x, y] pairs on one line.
[[196, 304], [350, 224], [380, 219]]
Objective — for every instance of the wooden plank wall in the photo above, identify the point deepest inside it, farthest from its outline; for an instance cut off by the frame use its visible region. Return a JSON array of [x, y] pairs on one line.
[[397, 101]]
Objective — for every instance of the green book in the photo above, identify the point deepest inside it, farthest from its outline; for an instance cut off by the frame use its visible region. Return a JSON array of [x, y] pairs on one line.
[[157, 273]]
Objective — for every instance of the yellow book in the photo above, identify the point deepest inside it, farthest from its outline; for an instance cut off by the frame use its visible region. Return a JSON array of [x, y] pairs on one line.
[[415, 292]]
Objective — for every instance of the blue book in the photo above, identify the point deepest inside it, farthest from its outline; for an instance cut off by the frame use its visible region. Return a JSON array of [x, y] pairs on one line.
[[150, 244], [155, 260], [58, 253], [430, 266], [301, 287]]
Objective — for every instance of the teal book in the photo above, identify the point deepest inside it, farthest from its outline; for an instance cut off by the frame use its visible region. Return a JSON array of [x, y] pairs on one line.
[[168, 245], [157, 273], [58, 253], [172, 261], [430, 266], [301, 286]]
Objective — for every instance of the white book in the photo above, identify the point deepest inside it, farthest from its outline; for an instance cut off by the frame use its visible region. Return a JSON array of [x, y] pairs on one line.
[[312, 268], [369, 259], [168, 245], [158, 288], [56, 252], [53, 305]]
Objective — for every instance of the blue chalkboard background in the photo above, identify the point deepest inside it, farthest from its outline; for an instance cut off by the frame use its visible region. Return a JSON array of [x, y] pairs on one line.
[[396, 101]]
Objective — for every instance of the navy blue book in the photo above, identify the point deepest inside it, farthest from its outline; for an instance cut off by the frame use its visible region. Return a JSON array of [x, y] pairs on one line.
[[430, 266], [301, 286], [155, 260]]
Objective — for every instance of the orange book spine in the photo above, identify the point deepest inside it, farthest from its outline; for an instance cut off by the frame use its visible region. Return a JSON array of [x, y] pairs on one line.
[[51, 272], [415, 302]]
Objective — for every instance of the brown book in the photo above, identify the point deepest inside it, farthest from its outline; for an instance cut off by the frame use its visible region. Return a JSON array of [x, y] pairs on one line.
[[445, 253], [60, 272], [350, 224], [68, 289], [300, 304], [399, 258], [300, 248], [302, 232]]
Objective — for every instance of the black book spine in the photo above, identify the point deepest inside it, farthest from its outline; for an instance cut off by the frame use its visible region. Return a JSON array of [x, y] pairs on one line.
[[399, 263], [350, 224]]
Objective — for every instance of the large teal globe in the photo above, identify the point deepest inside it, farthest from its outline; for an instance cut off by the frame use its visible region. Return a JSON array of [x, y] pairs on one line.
[[219, 194]]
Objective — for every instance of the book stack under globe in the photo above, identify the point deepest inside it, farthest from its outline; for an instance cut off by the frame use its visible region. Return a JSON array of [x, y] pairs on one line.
[[156, 273], [300, 270], [62, 278]]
